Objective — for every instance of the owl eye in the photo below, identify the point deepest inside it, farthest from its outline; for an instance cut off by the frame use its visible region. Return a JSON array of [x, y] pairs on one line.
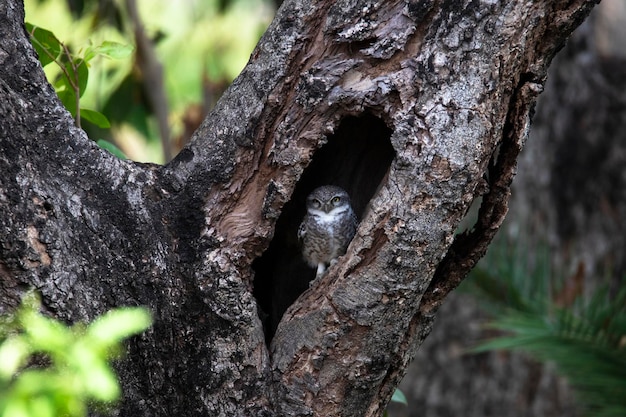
[[316, 203], [335, 200]]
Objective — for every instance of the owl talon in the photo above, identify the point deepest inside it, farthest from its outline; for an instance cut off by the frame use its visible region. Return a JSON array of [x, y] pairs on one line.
[[321, 268]]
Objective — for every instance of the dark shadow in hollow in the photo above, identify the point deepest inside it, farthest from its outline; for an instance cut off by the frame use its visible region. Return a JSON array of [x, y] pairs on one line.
[[356, 158]]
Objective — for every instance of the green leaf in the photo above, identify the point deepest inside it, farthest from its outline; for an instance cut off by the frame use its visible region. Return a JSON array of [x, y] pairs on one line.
[[115, 50], [97, 378], [42, 407], [72, 82], [119, 324], [95, 117], [106, 145], [47, 46], [80, 74], [90, 53], [398, 397], [101, 382], [109, 49], [16, 407], [13, 353], [46, 334], [68, 98]]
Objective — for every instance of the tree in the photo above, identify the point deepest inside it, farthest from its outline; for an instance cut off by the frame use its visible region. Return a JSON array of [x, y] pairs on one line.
[[566, 203], [417, 109]]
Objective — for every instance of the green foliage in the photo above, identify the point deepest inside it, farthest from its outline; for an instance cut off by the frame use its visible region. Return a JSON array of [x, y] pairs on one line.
[[105, 144], [47, 46], [398, 397], [584, 338], [109, 49], [96, 118], [48, 369], [71, 83], [201, 47], [510, 277]]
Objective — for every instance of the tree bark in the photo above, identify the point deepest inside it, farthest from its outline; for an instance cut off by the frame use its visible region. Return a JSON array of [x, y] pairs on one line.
[[416, 108], [569, 193]]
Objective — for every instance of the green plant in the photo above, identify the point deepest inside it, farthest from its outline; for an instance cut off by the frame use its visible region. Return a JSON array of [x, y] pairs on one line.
[[48, 369], [193, 42], [585, 337], [397, 397], [71, 84]]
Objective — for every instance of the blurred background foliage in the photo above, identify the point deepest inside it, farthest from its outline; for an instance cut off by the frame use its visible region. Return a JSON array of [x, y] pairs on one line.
[[50, 369], [553, 318], [198, 46]]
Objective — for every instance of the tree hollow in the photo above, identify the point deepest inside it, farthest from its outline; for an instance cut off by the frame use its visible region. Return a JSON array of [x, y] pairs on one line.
[[357, 158]]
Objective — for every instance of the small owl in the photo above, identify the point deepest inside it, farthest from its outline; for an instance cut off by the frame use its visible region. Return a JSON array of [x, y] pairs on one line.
[[327, 228]]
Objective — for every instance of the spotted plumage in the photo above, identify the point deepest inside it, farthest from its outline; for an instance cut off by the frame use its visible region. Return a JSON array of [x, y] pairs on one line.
[[327, 228]]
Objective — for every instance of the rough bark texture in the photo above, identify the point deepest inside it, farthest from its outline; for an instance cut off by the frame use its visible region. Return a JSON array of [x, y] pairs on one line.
[[448, 85], [569, 196]]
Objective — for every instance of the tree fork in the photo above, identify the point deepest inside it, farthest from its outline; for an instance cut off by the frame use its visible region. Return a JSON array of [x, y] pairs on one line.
[[433, 87]]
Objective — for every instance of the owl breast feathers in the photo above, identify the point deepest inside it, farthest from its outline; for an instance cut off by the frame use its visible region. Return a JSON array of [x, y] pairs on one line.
[[327, 228]]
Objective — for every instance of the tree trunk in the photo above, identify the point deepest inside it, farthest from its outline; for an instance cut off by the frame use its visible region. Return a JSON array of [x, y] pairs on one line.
[[415, 108], [570, 192]]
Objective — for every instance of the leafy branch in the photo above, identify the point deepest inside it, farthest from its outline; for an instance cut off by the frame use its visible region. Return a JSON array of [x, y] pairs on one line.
[[48, 369], [584, 337], [72, 83]]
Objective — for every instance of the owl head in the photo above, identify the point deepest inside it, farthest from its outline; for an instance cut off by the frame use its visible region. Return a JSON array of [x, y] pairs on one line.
[[328, 199]]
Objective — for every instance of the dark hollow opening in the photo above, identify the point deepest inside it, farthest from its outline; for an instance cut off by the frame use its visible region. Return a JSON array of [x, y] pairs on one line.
[[356, 157]]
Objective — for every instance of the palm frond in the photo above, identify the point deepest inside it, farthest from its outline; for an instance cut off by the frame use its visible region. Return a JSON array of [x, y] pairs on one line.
[[586, 340]]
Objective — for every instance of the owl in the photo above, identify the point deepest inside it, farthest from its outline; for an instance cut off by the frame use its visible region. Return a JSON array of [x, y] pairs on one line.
[[327, 228]]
